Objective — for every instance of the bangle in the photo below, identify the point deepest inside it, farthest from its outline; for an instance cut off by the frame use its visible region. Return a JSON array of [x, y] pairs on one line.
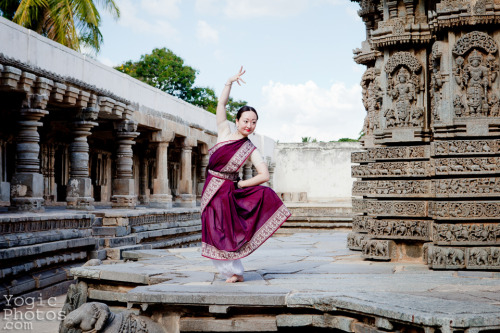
[[228, 84], [238, 185]]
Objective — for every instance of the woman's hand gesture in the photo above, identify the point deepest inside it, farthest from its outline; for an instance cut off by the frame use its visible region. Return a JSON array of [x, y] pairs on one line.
[[237, 78]]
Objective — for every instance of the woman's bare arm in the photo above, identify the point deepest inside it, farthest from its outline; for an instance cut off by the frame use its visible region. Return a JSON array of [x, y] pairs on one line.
[[261, 177], [224, 96]]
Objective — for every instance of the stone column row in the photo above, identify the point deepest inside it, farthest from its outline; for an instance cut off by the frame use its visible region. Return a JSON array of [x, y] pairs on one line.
[[27, 183]]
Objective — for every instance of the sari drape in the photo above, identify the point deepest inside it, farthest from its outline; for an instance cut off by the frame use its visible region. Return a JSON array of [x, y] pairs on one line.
[[235, 222]]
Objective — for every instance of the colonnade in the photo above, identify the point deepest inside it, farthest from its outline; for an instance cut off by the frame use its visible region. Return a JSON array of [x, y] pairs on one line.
[[64, 144]]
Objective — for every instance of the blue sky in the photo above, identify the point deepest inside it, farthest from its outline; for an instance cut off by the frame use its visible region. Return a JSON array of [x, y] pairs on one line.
[[297, 53]]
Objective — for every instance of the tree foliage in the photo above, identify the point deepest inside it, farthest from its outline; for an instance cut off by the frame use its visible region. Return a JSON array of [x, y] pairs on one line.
[[73, 23], [166, 71]]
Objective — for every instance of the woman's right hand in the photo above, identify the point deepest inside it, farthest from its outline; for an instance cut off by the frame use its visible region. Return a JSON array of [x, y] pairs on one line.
[[237, 78]]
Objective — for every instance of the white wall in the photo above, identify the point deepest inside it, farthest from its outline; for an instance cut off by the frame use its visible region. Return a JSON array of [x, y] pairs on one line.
[[322, 169]]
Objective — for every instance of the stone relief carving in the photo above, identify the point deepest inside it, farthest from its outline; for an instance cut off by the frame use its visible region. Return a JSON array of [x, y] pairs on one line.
[[403, 88], [475, 72], [354, 240], [392, 188], [391, 153], [466, 147], [76, 296], [96, 317], [468, 258], [436, 81], [487, 210], [395, 229], [456, 166], [473, 234], [377, 249], [392, 169], [359, 223], [390, 208], [442, 257], [477, 187], [483, 258], [372, 99]]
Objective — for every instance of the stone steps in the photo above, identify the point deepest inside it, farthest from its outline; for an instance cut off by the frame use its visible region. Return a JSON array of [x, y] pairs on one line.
[[311, 217], [183, 241], [116, 253]]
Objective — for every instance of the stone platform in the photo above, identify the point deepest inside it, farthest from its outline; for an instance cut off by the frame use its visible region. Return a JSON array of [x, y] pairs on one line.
[[302, 281], [37, 250]]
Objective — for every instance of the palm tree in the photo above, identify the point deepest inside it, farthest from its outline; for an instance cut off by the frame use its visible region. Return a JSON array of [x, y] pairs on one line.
[[73, 23]]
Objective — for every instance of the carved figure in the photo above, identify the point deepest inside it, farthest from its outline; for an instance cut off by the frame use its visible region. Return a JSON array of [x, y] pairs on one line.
[[478, 256], [476, 74], [455, 256], [96, 317], [403, 90], [477, 80], [372, 99], [439, 256], [76, 296], [436, 80]]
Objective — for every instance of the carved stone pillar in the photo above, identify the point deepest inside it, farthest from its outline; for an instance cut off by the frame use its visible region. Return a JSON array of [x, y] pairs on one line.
[[247, 170], [272, 166], [123, 185], [79, 189], [186, 197], [203, 174], [143, 185], [27, 182], [162, 197]]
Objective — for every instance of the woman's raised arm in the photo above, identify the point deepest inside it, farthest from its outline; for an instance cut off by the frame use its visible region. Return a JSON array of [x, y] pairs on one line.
[[224, 96]]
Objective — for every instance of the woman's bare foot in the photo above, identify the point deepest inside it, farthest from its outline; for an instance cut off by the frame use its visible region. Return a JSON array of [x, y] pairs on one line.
[[235, 278]]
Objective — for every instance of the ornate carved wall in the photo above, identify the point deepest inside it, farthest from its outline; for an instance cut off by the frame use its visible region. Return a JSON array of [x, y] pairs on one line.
[[428, 183]]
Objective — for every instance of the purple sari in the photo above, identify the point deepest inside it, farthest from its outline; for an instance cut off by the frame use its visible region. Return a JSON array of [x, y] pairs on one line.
[[235, 222]]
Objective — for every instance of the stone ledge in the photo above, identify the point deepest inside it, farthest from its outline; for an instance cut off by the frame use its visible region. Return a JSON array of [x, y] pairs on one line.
[[24, 251], [209, 295]]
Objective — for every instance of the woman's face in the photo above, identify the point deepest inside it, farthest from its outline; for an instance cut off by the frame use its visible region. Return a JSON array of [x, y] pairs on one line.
[[247, 122]]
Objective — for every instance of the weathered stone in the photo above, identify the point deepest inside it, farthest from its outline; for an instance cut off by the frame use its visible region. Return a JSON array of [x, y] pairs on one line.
[[243, 324], [430, 129]]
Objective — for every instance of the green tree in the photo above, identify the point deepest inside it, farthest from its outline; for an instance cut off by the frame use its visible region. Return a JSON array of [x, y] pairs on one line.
[[166, 71], [73, 23]]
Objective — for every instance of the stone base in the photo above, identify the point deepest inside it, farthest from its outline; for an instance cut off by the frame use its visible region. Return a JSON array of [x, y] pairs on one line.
[[160, 201], [123, 201], [27, 192], [4, 191], [27, 205], [79, 194], [185, 200], [85, 203]]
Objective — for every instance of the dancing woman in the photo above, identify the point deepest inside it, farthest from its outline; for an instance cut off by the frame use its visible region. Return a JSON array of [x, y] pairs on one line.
[[237, 215]]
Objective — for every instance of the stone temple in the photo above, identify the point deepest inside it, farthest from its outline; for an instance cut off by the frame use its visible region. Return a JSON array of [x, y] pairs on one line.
[[428, 180]]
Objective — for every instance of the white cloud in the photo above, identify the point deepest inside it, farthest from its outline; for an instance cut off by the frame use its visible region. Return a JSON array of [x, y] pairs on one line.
[[270, 8], [291, 112], [206, 33], [164, 8], [130, 19], [209, 7], [258, 8]]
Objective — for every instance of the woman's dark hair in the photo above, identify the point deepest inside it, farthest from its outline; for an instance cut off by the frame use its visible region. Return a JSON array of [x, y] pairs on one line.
[[244, 109]]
